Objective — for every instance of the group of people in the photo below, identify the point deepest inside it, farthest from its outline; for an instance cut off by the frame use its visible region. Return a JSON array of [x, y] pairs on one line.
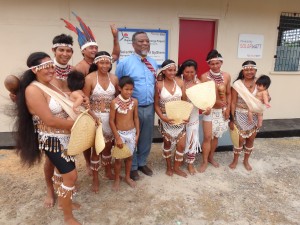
[[125, 104]]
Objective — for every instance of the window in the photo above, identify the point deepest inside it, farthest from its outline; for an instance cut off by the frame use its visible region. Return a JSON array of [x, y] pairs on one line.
[[287, 56]]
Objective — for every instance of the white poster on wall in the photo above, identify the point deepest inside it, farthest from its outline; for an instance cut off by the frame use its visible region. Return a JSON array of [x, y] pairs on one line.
[[250, 46], [158, 43]]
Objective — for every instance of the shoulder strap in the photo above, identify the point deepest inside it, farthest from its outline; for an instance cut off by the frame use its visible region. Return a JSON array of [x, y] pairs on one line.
[[252, 102], [65, 103]]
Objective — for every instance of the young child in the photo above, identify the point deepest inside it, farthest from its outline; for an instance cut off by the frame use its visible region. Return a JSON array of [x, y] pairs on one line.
[[262, 85], [171, 88], [124, 123]]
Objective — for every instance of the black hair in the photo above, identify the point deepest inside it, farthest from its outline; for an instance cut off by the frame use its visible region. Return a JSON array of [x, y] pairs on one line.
[[213, 54], [248, 62], [63, 38], [125, 80], [166, 62], [137, 33], [94, 66], [75, 80], [187, 63], [26, 138], [264, 80]]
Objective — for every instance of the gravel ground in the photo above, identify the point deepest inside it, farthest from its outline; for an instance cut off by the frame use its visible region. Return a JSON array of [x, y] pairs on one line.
[[267, 195]]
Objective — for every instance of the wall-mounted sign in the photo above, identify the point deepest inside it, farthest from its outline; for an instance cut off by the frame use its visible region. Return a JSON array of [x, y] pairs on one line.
[[250, 46], [158, 43]]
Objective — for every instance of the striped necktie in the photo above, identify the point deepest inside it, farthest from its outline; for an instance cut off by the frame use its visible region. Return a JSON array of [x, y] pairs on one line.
[[149, 66]]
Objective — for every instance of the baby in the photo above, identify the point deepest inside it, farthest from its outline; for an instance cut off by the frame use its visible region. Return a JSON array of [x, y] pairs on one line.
[[12, 83], [76, 82], [262, 85]]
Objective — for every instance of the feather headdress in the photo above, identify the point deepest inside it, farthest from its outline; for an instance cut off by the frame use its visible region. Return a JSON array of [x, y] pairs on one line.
[[85, 37]]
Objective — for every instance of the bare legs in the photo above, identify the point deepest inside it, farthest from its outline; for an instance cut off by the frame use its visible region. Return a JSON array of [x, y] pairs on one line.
[[65, 192], [117, 168], [206, 145], [214, 144], [190, 158], [248, 147], [190, 161], [87, 157], [48, 172], [95, 165], [178, 158], [106, 160]]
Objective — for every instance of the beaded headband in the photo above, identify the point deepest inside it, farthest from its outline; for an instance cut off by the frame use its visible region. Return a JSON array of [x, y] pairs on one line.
[[91, 43], [215, 59], [62, 45], [168, 66], [102, 58], [249, 66], [43, 65]]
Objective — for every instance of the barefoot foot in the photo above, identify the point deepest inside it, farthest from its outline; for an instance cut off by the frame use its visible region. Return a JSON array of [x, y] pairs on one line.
[[191, 169], [214, 163], [71, 221], [110, 176], [247, 165], [95, 187], [130, 182], [49, 199], [75, 206], [116, 185], [169, 172], [180, 172], [233, 165], [203, 167]]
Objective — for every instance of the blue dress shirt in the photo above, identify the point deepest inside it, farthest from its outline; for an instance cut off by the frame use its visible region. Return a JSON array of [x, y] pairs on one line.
[[144, 79]]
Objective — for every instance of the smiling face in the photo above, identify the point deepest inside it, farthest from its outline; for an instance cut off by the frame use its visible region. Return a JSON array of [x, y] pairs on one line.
[[46, 74], [62, 54], [104, 66], [249, 72], [170, 72], [141, 44], [90, 51]]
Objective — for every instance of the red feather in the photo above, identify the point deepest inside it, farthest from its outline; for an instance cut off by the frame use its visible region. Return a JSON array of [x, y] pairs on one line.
[[91, 33], [86, 30], [69, 26]]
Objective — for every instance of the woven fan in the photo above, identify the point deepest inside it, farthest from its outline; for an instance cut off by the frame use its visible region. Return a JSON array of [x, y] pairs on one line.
[[234, 134], [121, 153], [202, 95], [178, 111], [82, 134], [99, 140]]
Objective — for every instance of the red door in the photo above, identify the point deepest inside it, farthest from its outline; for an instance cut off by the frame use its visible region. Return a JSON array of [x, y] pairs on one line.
[[196, 39]]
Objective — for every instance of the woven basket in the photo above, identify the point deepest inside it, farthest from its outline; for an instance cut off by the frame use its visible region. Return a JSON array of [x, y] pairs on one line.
[[121, 153], [202, 95], [178, 111], [234, 134], [99, 140], [82, 134]]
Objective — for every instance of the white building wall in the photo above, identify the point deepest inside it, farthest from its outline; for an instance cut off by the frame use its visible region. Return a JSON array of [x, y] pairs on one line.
[[28, 26]]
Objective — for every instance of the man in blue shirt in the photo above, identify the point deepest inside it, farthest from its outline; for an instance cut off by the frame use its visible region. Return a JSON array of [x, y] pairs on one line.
[[142, 70]]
